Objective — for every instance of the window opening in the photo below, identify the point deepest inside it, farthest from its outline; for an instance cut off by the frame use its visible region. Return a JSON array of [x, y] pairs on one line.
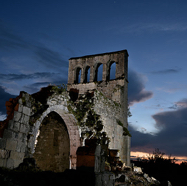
[[87, 75], [78, 75], [100, 72], [112, 71]]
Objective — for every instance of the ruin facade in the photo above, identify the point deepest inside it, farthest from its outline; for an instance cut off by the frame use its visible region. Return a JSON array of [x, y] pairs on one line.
[[53, 123]]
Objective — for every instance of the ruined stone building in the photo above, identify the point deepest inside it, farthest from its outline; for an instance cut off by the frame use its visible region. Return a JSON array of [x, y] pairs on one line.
[[53, 123]]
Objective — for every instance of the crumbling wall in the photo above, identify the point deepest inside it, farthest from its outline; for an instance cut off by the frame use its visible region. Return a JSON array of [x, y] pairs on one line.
[[113, 103], [13, 141], [86, 110], [19, 133]]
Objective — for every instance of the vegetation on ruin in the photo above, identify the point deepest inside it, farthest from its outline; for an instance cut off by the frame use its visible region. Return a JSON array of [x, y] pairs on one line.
[[129, 112], [87, 119], [125, 130], [37, 110], [23, 101], [39, 107], [58, 89]]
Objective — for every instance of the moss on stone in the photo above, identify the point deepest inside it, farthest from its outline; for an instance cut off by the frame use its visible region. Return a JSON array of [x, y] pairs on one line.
[[125, 130], [86, 118], [58, 89], [23, 101]]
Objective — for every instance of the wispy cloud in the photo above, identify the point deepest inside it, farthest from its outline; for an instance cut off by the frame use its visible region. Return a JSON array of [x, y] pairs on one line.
[[10, 40], [166, 71], [179, 105], [50, 58], [36, 75], [170, 89], [31, 83], [34, 87]]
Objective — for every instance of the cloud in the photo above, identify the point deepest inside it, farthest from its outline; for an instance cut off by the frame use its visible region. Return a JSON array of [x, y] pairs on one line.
[[32, 88], [166, 71], [179, 104], [4, 96], [30, 83], [172, 137], [36, 75], [136, 88], [10, 40], [50, 58]]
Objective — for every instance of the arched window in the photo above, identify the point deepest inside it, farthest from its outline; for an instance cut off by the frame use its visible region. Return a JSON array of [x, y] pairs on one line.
[[78, 75], [111, 71], [98, 72], [87, 75]]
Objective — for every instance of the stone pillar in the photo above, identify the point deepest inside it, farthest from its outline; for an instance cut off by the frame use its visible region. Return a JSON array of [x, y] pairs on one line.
[[91, 74], [104, 72], [82, 75]]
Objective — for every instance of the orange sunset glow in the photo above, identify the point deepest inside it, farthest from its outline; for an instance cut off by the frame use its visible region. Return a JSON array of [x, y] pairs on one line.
[[135, 155]]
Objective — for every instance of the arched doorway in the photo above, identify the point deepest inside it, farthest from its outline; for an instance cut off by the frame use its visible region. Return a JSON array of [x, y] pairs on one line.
[[52, 151]]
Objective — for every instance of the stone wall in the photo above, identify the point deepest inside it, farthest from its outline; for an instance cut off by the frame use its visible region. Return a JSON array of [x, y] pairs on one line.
[[21, 132], [13, 144], [113, 104], [31, 131]]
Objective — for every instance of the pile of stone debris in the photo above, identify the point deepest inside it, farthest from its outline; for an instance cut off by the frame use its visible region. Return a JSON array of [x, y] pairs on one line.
[[125, 175], [135, 177]]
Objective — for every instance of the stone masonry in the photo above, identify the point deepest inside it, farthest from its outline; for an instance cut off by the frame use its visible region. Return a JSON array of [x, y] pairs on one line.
[[111, 101], [50, 124]]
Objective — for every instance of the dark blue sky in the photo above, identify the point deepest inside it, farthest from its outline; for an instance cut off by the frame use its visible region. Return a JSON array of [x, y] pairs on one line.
[[38, 37]]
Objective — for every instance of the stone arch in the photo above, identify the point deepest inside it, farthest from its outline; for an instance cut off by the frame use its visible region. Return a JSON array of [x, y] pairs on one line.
[[72, 129], [96, 66], [108, 70], [52, 151], [85, 74], [77, 73]]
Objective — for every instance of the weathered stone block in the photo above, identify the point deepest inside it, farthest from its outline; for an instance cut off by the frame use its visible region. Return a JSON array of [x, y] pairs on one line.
[[17, 155], [25, 119], [20, 101], [24, 128], [20, 108], [4, 154], [21, 146], [3, 162], [17, 116], [26, 111], [17, 162], [16, 126], [2, 143], [22, 137], [10, 124], [11, 144], [10, 163], [7, 134]]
